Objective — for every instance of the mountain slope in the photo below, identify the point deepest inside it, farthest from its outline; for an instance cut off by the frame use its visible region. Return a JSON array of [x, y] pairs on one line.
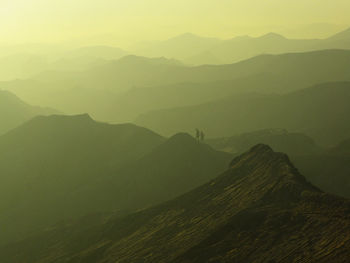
[[14, 111], [304, 111], [61, 167], [260, 210]]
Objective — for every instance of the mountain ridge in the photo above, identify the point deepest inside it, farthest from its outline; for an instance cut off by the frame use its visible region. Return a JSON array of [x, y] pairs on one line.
[[235, 217]]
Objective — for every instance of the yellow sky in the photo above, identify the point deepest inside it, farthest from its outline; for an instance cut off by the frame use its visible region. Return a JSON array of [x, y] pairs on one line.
[[137, 20]]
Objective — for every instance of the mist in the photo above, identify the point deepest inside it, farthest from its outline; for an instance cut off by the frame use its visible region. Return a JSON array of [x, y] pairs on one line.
[[174, 131]]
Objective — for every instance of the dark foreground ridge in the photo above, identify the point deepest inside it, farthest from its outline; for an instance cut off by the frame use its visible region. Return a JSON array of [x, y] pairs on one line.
[[260, 210]]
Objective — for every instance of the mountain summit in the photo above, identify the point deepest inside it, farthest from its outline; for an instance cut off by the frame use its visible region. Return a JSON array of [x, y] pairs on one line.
[[260, 210]]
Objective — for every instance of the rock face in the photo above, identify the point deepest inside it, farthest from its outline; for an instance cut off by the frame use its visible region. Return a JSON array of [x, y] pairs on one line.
[[260, 210]]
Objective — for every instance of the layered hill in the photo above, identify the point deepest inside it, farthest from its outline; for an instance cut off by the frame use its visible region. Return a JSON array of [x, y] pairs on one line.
[[60, 167], [120, 90], [14, 111], [260, 210], [320, 112]]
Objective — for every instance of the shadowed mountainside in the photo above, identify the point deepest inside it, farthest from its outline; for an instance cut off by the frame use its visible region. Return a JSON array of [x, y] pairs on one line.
[[260, 210], [61, 167]]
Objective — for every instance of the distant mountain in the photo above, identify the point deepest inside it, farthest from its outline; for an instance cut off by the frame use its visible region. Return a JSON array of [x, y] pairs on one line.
[[61, 167], [119, 91], [14, 111], [279, 139], [260, 210], [198, 50], [319, 111]]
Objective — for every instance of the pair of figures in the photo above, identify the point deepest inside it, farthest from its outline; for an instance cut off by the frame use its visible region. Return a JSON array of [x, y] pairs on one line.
[[200, 136]]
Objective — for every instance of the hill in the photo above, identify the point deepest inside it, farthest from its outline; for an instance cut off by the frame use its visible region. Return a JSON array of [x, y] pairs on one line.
[[303, 111], [260, 210], [61, 167], [14, 111]]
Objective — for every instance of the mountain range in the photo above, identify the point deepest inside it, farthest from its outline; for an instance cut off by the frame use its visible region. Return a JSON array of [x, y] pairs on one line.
[[260, 210], [119, 91], [197, 50]]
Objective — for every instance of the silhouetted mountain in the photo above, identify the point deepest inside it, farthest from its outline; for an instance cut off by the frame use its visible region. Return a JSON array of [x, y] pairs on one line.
[[61, 167], [260, 210], [280, 140], [49, 163], [14, 111], [306, 111]]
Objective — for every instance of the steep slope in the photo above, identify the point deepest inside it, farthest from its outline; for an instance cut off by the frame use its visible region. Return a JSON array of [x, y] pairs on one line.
[[260, 210], [305, 111], [14, 111], [278, 139], [67, 166]]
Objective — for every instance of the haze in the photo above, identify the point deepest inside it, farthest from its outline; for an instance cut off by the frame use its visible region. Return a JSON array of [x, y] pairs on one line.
[[124, 22]]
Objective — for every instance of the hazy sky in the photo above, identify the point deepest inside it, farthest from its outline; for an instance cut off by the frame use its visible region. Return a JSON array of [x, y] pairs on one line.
[[108, 21]]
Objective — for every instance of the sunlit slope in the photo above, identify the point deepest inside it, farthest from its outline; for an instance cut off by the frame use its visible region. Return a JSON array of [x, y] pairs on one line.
[[261, 209], [320, 112]]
